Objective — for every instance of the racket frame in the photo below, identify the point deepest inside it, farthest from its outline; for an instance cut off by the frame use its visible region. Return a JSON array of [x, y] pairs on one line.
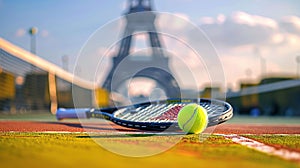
[[108, 114]]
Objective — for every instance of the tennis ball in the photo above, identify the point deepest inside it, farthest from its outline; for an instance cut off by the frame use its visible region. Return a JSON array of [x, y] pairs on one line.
[[192, 119]]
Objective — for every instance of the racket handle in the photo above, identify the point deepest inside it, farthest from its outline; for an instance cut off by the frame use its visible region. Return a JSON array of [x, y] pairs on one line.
[[63, 113]]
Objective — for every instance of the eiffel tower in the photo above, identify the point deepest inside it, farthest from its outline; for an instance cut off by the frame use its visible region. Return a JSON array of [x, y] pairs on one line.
[[140, 18]]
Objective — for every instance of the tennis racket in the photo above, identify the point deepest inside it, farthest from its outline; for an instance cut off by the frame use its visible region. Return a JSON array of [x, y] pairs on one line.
[[156, 115]]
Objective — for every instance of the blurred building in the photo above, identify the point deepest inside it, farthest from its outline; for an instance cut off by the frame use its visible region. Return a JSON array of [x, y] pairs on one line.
[[275, 96]]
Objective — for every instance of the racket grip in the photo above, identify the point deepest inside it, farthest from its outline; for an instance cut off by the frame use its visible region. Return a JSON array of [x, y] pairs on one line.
[[63, 113]]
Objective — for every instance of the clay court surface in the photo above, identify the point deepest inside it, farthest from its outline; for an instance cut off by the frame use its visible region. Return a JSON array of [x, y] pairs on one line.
[[41, 126], [42, 141]]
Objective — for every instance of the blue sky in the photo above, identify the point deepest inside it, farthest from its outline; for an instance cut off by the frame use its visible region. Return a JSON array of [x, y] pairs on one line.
[[271, 27]]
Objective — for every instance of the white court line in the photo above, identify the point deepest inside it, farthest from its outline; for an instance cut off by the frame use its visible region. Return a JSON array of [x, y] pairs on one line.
[[250, 143]]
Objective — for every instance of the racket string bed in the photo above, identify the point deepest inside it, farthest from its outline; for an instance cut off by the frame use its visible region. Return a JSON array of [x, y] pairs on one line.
[[157, 112], [150, 113], [147, 115], [142, 114], [131, 114], [169, 114], [162, 112]]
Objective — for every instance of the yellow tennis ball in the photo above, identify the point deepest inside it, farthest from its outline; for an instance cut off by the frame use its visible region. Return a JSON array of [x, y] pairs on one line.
[[192, 119]]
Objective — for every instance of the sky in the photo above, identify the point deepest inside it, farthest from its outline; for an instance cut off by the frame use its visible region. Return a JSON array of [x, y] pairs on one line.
[[252, 38]]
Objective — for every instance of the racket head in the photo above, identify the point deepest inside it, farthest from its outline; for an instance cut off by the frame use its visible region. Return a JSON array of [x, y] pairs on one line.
[[161, 115]]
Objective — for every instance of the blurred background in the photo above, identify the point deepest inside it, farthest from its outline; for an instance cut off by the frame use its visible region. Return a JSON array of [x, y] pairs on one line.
[[257, 43]]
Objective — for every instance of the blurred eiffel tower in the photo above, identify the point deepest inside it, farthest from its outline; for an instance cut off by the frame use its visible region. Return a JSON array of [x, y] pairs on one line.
[[140, 18]]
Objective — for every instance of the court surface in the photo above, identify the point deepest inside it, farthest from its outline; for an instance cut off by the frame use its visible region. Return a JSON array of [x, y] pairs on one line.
[[40, 140]]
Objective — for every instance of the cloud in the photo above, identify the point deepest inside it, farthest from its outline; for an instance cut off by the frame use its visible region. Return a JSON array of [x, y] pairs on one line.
[[172, 22], [291, 24], [244, 18], [207, 20], [236, 36], [44, 33], [20, 32], [221, 18], [239, 29]]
